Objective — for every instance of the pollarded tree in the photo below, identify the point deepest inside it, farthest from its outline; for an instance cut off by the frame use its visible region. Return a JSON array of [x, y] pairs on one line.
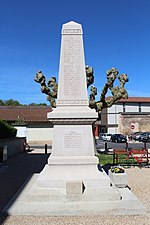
[[117, 92]]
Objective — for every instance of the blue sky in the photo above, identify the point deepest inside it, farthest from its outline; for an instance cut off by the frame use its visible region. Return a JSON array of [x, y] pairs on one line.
[[116, 34]]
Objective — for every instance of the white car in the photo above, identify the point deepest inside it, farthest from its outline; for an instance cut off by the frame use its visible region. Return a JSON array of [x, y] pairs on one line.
[[105, 137]]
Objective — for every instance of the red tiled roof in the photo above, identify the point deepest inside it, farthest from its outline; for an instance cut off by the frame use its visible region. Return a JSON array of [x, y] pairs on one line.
[[136, 99], [25, 113]]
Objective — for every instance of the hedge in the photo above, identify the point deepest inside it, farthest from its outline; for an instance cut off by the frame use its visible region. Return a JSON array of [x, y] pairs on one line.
[[7, 131]]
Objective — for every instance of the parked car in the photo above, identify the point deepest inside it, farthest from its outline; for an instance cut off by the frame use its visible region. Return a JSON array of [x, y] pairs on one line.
[[105, 136], [118, 138], [137, 136], [134, 136], [145, 137]]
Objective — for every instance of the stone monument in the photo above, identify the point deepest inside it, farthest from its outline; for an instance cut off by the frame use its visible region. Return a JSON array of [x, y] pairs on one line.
[[73, 143], [71, 183]]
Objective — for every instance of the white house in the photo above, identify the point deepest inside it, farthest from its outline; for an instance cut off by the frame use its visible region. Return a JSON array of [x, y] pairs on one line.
[[30, 121], [127, 116]]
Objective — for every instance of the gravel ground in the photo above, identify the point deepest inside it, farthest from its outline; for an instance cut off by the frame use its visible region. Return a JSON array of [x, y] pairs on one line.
[[139, 182]]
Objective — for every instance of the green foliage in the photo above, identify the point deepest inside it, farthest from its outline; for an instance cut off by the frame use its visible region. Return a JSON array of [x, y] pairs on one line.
[[1, 102], [9, 102], [7, 131], [39, 104], [12, 102]]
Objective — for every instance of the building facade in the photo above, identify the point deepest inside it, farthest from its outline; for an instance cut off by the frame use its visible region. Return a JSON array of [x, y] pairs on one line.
[[30, 121], [127, 116]]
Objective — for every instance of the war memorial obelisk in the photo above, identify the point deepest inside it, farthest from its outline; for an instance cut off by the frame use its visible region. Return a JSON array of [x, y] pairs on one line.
[[73, 149], [70, 183]]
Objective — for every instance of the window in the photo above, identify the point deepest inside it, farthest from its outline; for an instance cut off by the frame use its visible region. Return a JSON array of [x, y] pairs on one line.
[[124, 108], [140, 108]]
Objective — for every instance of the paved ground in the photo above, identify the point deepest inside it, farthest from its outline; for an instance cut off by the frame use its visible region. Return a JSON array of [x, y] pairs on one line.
[[16, 170]]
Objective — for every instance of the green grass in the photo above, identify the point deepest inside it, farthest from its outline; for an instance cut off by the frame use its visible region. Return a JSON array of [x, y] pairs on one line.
[[105, 159], [108, 159]]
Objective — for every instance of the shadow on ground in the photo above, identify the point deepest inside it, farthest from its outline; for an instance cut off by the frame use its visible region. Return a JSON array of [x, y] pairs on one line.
[[14, 172]]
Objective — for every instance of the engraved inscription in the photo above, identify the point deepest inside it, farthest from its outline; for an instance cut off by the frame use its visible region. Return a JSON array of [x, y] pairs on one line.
[[71, 62], [72, 140], [75, 102], [71, 31]]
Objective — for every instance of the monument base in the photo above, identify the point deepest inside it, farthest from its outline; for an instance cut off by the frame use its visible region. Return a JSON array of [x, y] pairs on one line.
[[71, 184], [58, 175], [32, 200]]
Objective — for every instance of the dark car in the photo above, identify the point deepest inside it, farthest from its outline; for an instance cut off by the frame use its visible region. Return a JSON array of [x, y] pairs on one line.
[[145, 137], [137, 136], [118, 138], [134, 136]]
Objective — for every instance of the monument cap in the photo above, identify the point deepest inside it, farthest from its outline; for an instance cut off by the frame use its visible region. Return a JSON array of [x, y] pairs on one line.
[[72, 28]]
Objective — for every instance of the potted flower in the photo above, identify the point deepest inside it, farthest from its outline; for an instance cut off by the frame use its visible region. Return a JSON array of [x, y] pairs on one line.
[[118, 176], [117, 169]]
